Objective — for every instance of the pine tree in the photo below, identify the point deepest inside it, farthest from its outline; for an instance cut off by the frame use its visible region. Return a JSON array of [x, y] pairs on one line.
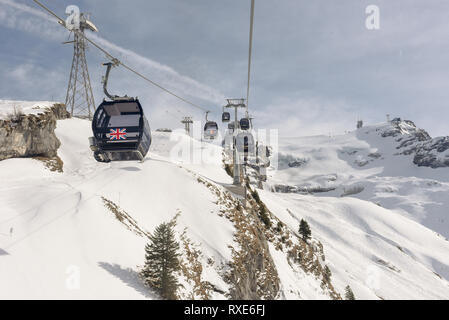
[[161, 261], [349, 295], [304, 230]]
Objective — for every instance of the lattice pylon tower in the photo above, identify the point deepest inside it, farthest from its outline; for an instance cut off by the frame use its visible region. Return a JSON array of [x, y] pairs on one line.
[[79, 99], [187, 121]]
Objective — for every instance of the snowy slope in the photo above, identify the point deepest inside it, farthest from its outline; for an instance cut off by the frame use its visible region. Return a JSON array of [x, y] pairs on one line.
[[379, 253], [383, 220], [59, 220], [55, 227], [366, 165]]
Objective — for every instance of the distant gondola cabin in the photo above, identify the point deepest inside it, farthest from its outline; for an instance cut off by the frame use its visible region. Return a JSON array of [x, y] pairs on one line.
[[210, 130]]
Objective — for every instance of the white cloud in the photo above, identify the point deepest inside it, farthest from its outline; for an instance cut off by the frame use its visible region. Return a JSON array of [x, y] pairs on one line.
[[320, 48], [307, 116], [167, 75], [34, 82], [25, 18]]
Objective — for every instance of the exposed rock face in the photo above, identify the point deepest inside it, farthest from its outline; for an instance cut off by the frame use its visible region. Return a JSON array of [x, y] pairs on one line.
[[407, 135], [406, 127], [288, 161], [252, 273], [282, 188], [297, 163], [428, 152], [31, 135], [433, 153]]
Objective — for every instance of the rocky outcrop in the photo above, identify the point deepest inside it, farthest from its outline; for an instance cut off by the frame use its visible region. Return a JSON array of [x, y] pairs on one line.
[[31, 135], [252, 274], [286, 161], [405, 129], [433, 153], [282, 188], [297, 163], [426, 152]]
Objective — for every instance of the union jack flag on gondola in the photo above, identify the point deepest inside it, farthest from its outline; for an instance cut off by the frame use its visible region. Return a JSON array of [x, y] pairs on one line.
[[117, 134]]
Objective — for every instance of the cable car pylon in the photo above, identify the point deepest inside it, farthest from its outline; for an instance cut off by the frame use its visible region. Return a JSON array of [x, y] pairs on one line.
[[79, 98], [116, 61], [187, 121], [236, 103]]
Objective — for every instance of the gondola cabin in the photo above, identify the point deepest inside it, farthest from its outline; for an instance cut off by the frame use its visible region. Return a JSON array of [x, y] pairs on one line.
[[245, 143], [210, 130], [244, 124], [121, 131], [225, 117]]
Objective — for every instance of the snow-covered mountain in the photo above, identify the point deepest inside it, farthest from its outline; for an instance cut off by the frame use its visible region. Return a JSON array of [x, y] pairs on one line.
[[383, 219], [80, 233], [381, 163]]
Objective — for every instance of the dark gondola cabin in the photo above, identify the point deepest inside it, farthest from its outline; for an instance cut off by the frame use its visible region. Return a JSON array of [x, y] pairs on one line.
[[244, 124], [210, 130], [121, 131], [225, 117]]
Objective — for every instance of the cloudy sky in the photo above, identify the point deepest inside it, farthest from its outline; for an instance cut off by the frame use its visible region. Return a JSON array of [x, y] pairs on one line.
[[316, 67]]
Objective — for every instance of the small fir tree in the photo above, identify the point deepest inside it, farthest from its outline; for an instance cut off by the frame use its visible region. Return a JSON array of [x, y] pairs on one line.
[[349, 295], [161, 261], [304, 230]]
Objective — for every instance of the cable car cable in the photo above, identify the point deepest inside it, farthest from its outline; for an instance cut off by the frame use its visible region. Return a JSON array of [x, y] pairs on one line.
[[115, 61], [251, 23]]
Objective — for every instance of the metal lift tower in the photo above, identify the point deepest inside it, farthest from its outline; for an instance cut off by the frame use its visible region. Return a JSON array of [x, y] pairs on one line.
[[187, 121], [79, 99], [236, 103]]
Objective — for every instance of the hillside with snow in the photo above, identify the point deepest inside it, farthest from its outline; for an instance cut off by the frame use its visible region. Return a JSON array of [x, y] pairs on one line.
[[80, 233], [381, 216], [58, 226], [59, 220], [396, 166]]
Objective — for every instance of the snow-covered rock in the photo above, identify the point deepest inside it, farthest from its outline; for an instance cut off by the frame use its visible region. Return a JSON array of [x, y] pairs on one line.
[[411, 140], [404, 128], [10, 107], [27, 130], [433, 153], [404, 174]]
